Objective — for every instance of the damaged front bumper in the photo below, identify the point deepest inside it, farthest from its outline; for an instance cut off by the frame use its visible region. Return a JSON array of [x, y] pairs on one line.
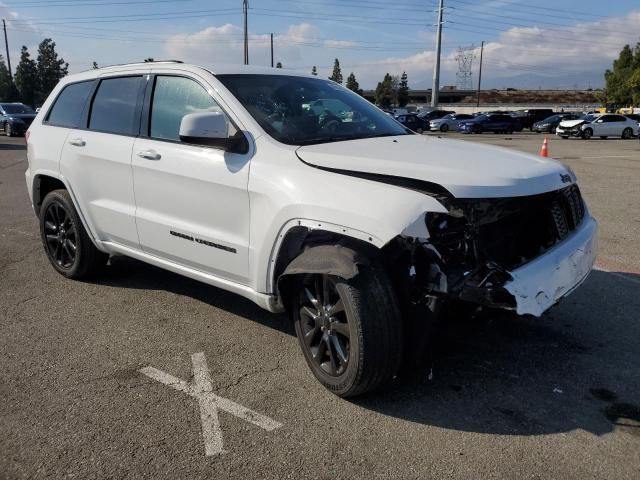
[[542, 282]]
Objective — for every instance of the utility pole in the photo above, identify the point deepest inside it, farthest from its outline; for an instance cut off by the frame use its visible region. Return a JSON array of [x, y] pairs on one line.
[[480, 73], [6, 44], [435, 91], [272, 50], [245, 10]]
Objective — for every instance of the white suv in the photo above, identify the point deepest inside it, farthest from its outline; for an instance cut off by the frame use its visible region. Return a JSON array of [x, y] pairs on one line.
[[300, 195]]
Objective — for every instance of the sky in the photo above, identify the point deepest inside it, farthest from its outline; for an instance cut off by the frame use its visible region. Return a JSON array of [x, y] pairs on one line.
[[550, 44]]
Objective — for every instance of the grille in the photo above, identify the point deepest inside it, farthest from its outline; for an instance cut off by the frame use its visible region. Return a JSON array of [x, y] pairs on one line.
[[28, 121], [513, 231]]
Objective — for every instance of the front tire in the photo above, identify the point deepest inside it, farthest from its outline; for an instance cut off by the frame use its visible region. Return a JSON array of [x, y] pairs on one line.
[[444, 128], [350, 331], [587, 134], [66, 242]]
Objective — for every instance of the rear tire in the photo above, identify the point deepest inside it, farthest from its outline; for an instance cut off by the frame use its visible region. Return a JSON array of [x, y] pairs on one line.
[[627, 133], [352, 337], [66, 242]]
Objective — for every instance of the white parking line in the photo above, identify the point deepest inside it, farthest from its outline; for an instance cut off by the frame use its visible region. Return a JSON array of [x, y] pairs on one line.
[[209, 403]]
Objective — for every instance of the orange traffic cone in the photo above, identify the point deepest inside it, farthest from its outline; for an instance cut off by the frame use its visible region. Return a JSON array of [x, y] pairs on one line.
[[544, 151]]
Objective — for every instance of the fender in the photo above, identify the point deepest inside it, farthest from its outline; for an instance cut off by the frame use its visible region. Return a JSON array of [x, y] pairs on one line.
[[87, 226]]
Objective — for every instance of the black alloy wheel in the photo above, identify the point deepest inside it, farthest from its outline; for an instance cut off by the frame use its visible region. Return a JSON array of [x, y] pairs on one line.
[[627, 133], [324, 326], [68, 246], [61, 235]]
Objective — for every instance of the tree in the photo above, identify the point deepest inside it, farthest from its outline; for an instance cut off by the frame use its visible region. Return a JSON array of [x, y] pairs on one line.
[[336, 76], [622, 87], [6, 82], [50, 69], [352, 84], [314, 71], [95, 65], [279, 65], [403, 90], [27, 78], [384, 92]]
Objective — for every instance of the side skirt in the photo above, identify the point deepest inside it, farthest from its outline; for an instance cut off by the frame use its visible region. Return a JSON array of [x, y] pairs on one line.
[[268, 302]]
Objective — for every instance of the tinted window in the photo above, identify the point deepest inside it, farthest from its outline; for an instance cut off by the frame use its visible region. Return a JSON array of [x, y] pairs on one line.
[[67, 109], [114, 106], [173, 98], [617, 118]]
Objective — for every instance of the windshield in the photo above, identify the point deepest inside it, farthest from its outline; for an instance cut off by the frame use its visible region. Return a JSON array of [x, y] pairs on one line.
[[304, 111], [17, 108], [589, 117]]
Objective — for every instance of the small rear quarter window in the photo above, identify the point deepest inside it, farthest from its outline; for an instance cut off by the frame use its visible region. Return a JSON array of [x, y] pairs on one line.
[[67, 108]]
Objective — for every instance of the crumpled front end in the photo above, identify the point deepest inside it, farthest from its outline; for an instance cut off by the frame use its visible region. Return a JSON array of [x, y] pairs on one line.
[[519, 253]]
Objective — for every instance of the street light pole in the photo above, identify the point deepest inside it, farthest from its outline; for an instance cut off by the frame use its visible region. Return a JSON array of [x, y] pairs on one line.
[[245, 10], [6, 44], [480, 73], [435, 91]]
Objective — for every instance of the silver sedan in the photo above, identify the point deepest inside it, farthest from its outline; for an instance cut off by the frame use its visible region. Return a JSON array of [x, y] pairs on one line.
[[448, 122]]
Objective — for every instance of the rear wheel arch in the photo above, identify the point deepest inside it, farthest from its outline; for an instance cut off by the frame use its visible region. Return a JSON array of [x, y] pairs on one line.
[[42, 185]]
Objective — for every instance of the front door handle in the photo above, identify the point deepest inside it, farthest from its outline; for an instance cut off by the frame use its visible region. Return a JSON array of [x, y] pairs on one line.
[[78, 142], [149, 155]]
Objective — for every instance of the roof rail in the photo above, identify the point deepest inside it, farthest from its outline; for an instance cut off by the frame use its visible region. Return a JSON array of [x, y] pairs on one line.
[[137, 63]]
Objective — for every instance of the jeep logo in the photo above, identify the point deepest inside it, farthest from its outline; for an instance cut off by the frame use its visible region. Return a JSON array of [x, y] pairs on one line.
[[565, 177]]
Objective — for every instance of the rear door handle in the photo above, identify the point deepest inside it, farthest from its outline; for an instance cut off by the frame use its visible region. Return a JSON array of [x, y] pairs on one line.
[[78, 142], [149, 155]]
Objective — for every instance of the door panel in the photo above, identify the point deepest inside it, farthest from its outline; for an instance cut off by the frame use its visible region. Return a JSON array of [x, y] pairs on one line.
[[192, 202], [193, 206], [98, 163], [98, 166]]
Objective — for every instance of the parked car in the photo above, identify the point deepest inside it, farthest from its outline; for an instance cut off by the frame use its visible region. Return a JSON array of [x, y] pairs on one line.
[[364, 232], [433, 114], [448, 122], [414, 122], [549, 124], [15, 118], [527, 118], [601, 125], [497, 123]]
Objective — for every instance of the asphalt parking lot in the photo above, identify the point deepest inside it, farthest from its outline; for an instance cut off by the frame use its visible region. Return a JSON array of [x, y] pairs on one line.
[[556, 397]]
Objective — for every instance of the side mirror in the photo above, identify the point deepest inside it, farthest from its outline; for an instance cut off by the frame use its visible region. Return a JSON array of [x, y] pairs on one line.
[[212, 129]]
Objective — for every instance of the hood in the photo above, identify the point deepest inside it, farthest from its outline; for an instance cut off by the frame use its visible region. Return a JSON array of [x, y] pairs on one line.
[[572, 123], [467, 170]]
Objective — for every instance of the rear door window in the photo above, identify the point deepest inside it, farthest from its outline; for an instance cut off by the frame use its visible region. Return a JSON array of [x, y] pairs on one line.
[[114, 108], [68, 107]]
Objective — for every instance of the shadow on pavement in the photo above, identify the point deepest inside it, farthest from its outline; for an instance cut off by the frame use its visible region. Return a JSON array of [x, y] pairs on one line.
[[576, 367]]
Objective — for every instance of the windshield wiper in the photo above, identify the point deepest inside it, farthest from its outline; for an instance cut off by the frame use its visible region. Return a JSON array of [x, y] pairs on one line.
[[334, 138]]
